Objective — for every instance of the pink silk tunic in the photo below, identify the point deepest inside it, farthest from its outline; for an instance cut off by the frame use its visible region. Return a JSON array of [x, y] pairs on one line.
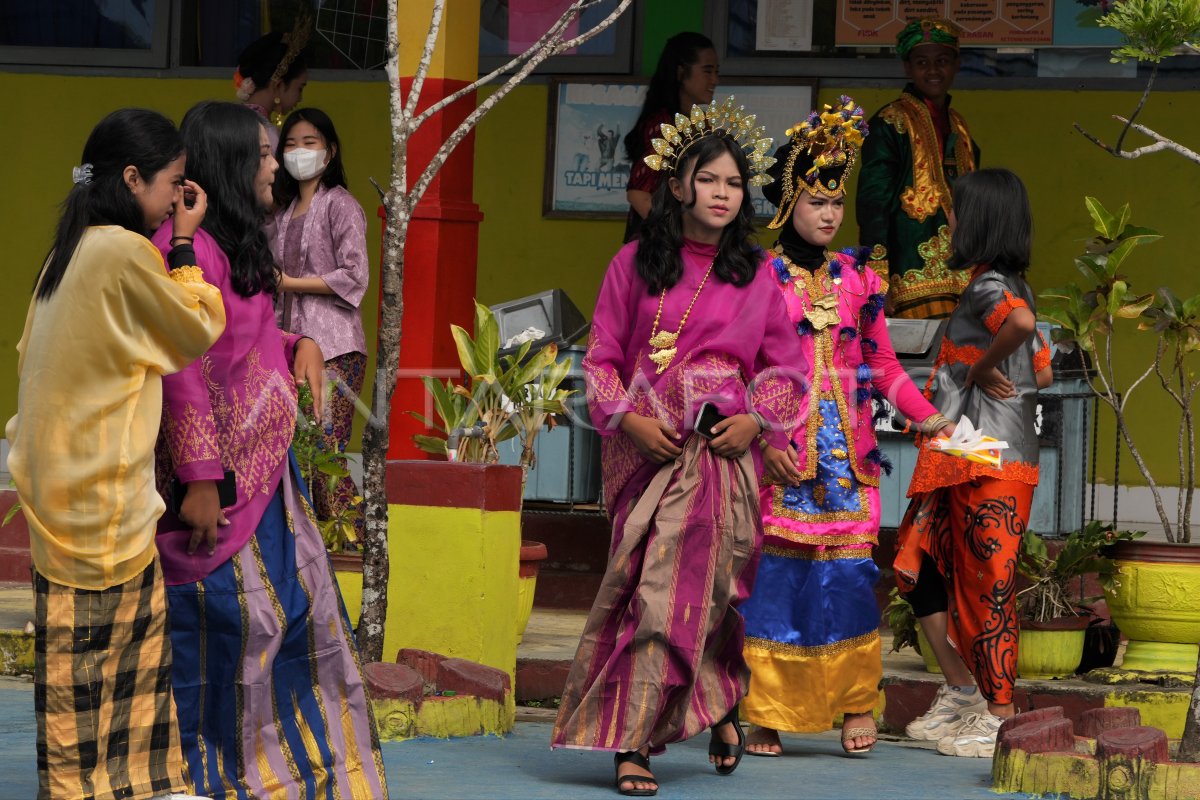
[[736, 350], [233, 409]]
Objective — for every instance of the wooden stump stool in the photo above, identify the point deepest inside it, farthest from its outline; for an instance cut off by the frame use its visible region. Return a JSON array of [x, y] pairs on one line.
[[1128, 758]]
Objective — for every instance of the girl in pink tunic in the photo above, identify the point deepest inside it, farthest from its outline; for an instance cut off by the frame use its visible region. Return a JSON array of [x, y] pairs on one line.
[[688, 314], [319, 239]]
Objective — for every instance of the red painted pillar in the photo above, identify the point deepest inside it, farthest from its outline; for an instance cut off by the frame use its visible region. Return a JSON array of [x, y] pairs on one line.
[[443, 236], [440, 259]]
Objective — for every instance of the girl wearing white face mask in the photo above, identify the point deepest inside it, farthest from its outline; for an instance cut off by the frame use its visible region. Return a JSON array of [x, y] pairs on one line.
[[318, 236]]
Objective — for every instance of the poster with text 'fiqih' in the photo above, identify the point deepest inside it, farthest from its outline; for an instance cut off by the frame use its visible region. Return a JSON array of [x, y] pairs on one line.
[[985, 23]]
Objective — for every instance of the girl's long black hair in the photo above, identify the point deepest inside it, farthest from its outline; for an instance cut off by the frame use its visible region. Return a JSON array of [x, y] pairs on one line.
[[286, 187], [129, 137], [993, 222], [658, 260], [224, 155], [681, 50]]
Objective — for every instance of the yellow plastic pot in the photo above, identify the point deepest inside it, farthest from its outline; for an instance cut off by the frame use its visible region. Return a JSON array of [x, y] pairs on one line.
[[1154, 604], [1049, 650]]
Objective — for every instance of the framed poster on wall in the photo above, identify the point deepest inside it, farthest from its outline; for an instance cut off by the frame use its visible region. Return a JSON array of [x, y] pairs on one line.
[[586, 164]]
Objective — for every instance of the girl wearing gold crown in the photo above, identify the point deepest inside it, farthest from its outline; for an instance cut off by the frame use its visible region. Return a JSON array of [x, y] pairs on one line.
[[688, 317], [812, 639]]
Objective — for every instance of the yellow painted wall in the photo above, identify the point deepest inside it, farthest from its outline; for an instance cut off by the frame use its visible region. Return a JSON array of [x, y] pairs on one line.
[[522, 253], [48, 120]]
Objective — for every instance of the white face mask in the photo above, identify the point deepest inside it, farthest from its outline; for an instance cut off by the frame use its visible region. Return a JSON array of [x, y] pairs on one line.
[[303, 163]]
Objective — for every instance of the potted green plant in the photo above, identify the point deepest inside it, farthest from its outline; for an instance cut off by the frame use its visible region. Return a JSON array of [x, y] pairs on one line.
[[907, 632], [1152, 603], [1053, 625], [1159, 582], [504, 397]]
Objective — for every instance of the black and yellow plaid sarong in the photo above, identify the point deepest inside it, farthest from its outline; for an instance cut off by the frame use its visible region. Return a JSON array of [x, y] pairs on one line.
[[106, 725]]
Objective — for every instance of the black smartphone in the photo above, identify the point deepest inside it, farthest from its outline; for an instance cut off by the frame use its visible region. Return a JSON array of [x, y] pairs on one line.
[[226, 492], [707, 417]]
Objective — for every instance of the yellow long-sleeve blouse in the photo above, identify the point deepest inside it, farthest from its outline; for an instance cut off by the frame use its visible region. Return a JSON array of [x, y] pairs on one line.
[[91, 363]]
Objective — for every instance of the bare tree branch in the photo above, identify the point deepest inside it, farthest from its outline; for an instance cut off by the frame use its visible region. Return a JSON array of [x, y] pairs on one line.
[[537, 46], [418, 83], [465, 127], [1141, 104], [598, 28], [1161, 143]]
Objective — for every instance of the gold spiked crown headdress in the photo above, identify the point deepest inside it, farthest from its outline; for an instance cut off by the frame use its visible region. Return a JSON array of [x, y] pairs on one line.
[[726, 119], [820, 154]]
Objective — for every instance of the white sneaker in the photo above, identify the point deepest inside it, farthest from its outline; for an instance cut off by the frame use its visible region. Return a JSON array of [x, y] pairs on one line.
[[945, 716], [975, 739]]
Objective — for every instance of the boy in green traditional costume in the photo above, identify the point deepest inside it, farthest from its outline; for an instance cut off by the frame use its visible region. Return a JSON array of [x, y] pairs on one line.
[[918, 146]]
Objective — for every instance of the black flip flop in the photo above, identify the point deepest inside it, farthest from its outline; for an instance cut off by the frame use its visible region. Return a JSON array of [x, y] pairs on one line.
[[721, 749], [639, 760]]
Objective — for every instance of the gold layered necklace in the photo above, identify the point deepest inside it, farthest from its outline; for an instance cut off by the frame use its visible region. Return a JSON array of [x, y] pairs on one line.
[[662, 343], [822, 291]]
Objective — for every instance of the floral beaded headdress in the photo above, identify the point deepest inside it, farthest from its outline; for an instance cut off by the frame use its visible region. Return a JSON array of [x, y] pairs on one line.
[[820, 154], [727, 120]]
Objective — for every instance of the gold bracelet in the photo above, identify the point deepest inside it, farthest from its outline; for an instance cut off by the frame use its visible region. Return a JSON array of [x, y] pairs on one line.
[[934, 424]]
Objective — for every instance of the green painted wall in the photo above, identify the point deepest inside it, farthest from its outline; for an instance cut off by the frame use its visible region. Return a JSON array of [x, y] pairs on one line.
[[522, 253]]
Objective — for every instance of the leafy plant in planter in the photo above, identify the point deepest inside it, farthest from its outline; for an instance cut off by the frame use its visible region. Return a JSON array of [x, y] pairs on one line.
[[1091, 313], [1053, 631], [1049, 595], [503, 396], [314, 458]]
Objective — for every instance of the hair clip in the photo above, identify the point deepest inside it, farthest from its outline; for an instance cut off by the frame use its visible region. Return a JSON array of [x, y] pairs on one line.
[[82, 174]]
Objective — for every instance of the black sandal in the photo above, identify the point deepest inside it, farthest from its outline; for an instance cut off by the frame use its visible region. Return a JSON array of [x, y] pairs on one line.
[[722, 749], [638, 760]]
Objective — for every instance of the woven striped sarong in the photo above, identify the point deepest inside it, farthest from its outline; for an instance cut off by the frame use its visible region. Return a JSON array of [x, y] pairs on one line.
[[266, 677], [660, 658], [106, 725]]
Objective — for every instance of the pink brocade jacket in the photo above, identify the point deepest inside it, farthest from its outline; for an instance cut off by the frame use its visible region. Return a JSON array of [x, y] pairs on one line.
[[851, 358], [736, 350], [234, 409]]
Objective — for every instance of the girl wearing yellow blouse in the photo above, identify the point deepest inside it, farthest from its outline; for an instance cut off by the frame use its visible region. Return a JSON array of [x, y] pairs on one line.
[[106, 323]]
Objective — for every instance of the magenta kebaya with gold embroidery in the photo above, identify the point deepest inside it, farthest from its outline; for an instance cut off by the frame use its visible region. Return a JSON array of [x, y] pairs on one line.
[[233, 409], [734, 351]]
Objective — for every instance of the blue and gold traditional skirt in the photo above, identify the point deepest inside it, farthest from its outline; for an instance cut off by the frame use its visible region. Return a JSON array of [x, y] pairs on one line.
[[812, 622]]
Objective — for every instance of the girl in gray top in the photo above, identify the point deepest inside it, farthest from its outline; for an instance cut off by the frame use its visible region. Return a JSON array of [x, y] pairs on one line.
[[962, 532]]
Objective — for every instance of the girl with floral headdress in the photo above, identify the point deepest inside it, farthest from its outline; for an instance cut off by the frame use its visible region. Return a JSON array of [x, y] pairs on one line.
[[812, 639], [272, 73], [687, 316]]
